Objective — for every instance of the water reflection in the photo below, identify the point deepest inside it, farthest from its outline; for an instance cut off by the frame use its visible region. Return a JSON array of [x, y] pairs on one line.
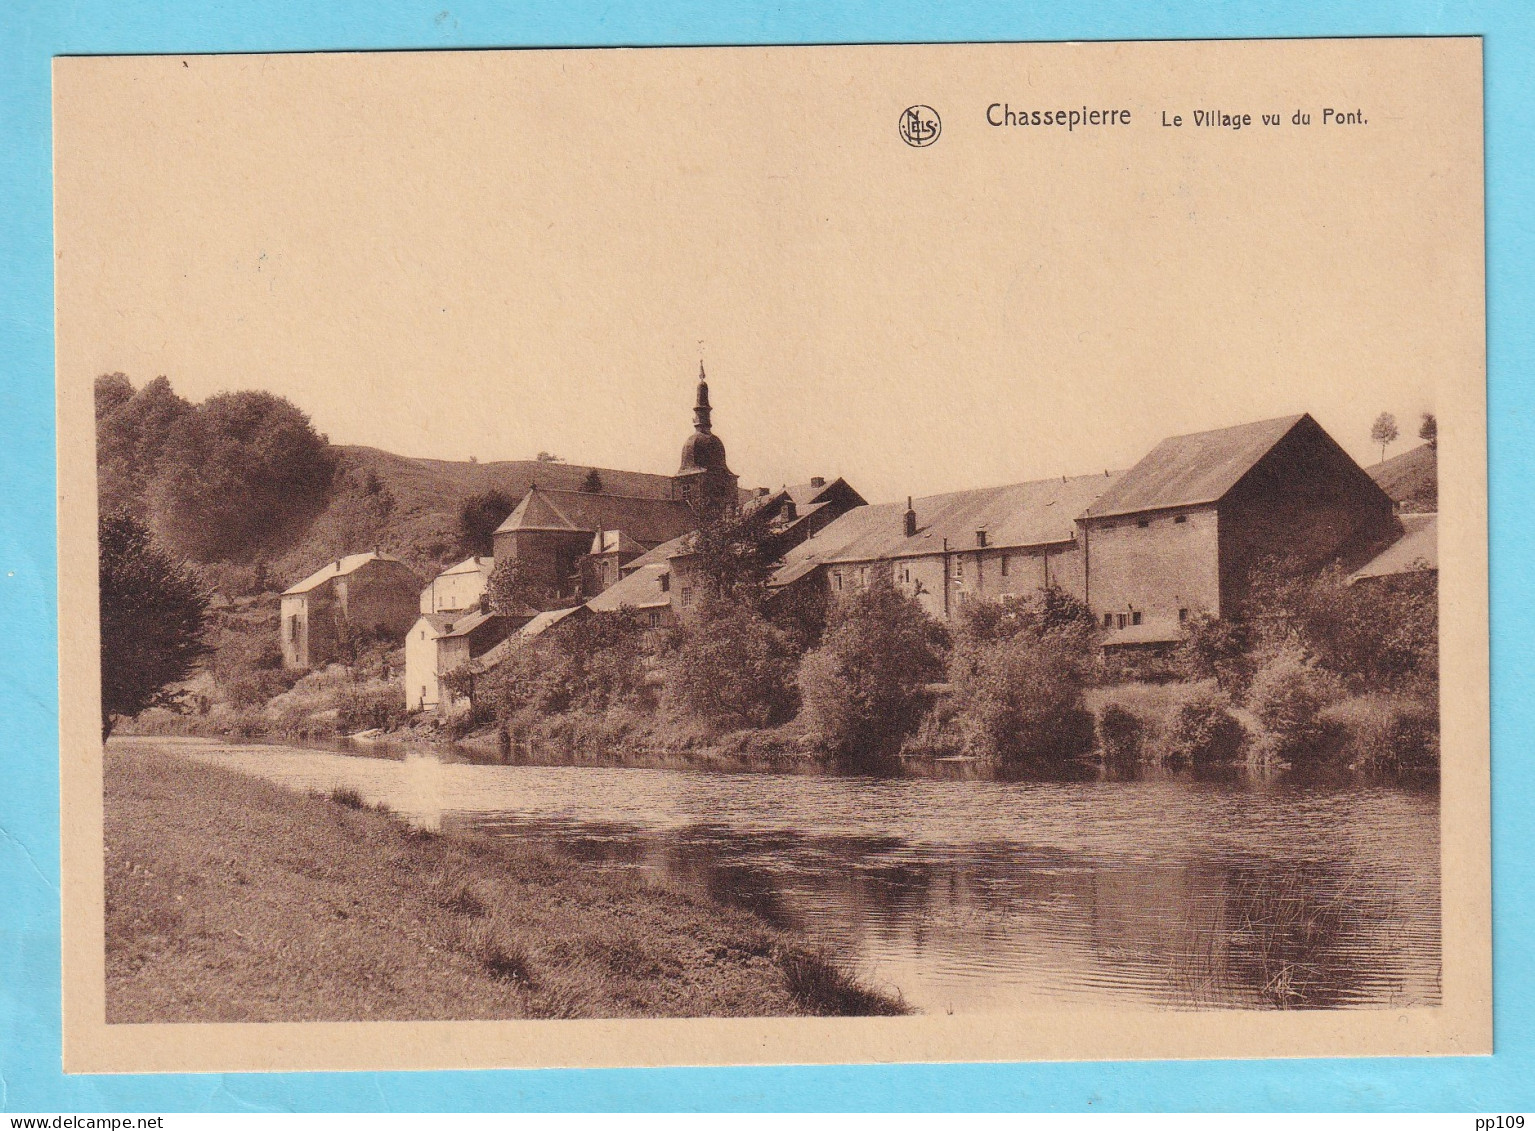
[[1005, 926], [986, 895]]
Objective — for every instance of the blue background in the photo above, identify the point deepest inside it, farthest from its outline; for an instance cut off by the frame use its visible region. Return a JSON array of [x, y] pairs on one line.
[[31, 32]]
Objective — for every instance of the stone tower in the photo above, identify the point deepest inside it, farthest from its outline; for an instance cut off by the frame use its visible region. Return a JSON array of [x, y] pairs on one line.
[[704, 481]]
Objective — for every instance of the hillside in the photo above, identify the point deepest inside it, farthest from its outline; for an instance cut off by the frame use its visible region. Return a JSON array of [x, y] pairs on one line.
[[409, 507], [1412, 478]]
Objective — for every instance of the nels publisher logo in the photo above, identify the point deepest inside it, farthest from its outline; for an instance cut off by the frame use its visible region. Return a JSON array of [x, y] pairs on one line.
[[920, 125]]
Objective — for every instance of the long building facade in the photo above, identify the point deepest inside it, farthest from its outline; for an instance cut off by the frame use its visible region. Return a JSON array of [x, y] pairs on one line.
[[1180, 534]]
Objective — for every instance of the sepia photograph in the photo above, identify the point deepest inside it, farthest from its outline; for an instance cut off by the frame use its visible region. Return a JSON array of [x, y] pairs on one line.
[[942, 538]]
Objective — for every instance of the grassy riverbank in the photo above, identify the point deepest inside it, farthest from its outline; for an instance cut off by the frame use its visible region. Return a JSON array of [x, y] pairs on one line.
[[232, 899]]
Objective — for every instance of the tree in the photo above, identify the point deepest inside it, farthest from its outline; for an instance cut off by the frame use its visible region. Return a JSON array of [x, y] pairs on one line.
[[864, 687], [1384, 432], [511, 590], [1428, 431], [592, 484], [478, 517], [588, 664], [733, 669], [153, 614], [242, 474], [729, 554], [131, 439], [113, 391], [1019, 668], [549, 457], [1020, 699]]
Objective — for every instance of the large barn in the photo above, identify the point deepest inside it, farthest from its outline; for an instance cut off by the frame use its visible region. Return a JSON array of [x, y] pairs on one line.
[[1179, 534]]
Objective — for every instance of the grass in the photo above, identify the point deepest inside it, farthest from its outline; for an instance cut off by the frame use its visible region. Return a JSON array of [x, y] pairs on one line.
[[231, 899]]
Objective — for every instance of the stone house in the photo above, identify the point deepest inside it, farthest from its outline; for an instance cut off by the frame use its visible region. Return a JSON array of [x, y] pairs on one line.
[[1188, 528], [358, 596], [946, 550], [458, 587], [1183, 532], [440, 642], [661, 584]]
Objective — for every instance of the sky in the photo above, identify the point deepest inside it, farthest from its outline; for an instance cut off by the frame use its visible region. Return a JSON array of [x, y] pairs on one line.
[[492, 254]]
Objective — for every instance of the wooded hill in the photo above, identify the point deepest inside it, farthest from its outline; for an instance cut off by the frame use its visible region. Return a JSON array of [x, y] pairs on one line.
[[243, 485]]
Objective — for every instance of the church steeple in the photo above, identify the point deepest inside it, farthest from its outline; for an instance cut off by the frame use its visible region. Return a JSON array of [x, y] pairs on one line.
[[701, 409], [703, 478]]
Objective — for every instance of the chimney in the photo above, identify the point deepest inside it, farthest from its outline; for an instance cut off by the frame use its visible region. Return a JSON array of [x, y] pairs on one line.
[[817, 481], [762, 492], [911, 519]]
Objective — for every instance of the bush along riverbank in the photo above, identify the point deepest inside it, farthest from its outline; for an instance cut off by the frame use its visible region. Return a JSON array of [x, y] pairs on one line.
[[232, 899], [1304, 673], [1310, 675]]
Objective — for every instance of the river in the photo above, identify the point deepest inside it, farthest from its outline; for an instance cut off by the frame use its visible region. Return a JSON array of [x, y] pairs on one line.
[[977, 895]]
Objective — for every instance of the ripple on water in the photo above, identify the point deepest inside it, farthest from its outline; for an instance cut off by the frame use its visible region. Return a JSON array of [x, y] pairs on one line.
[[984, 895]]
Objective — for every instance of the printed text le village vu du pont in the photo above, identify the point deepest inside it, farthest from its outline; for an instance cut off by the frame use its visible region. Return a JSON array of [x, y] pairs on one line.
[[1086, 117]]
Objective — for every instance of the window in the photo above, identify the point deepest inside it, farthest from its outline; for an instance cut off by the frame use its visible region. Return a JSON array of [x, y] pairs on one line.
[[959, 569], [423, 634], [687, 594], [1181, 518], [1121, 619], [905, 573], [666, 583], [1004, 565], [980, 538], [1135, 617], [1183, 615], [655, 618], [1108, 620], [836, 579]]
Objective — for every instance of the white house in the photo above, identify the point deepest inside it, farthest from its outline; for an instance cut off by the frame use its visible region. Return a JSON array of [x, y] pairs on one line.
[[438, 643], [458, 587]]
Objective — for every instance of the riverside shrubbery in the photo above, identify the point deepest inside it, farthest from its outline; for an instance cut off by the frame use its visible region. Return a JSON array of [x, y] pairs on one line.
[[1019, 668], [1306, 672], [864, 689]]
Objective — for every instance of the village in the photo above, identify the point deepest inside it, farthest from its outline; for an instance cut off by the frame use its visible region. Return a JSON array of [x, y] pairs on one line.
[[1176, 541]]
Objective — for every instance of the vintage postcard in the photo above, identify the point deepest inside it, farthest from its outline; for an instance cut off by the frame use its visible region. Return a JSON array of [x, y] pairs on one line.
[[765, 555]]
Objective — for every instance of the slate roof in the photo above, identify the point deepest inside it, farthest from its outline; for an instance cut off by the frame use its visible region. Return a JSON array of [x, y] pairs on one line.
[[534, 628], [677, 547], [640, 589], [614, 542], [648, 521], [468, 565], [456, 624], [1417, 548], [1037, 513], [334, 569], [1194, 469]]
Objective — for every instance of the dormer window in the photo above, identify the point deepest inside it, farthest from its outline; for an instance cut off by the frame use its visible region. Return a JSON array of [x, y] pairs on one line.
[[980, 538], [666, 583]]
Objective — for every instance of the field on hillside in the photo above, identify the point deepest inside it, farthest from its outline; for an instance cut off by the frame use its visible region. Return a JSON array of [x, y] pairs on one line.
[[1412, 478], [409, 507]]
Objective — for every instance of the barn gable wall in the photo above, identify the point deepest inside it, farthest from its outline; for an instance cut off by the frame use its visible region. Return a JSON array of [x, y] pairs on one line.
[[1305, 504], [1155, 569]]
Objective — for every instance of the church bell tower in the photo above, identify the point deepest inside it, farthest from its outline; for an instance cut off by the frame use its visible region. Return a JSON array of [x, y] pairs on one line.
[[704, 480]]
